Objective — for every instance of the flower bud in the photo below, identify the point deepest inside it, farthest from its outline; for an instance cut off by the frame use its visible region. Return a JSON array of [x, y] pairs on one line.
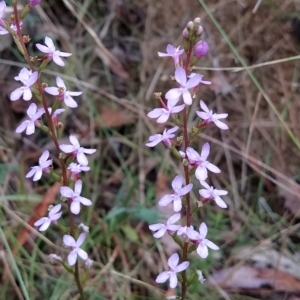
[[26, 39], [185, 33], [199, 30], [197, 20], [201, 49], [157, 95], [190, 25], [34, 3]]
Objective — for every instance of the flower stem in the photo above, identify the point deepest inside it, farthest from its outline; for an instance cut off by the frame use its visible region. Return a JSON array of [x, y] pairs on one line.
[[54, 138], [187, 181]]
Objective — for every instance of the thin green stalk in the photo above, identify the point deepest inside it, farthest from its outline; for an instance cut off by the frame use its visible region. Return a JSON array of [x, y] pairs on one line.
[[14, 265]]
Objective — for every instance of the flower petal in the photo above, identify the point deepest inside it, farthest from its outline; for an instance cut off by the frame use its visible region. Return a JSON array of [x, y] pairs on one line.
[[72, 257], [173, 281], [66, 192], [75, 207], [162, 277], [183, 266], [173, 261], [202, 251]]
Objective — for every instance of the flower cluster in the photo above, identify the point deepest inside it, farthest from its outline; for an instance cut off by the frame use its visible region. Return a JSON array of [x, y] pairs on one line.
[[47, 119], [176, 107]]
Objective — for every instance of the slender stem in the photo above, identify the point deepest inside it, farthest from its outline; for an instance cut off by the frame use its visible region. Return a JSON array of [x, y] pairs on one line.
[[55, 140], [187, 181]]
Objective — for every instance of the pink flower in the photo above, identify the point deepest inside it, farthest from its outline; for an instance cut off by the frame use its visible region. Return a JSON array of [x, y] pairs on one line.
[[53, 216], [208, 116], [165, 137], [34, 114], [169, 227], [172, 273], [75, 248], [62, 93], [183, 231], [211, 193], [77, 150], [200, 162], [163, 114], [75, 197], [173, 52], [201, 241], [185, 85], [76, 169], [44, 165], [179, 191], [51, 52], [54, 115], [28, 79]]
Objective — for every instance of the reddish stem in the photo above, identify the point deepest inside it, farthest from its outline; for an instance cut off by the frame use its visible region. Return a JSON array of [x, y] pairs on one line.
[[54, 138]]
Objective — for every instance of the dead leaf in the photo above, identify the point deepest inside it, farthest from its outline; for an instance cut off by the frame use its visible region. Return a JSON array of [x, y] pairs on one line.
[[264, 257], [254, 279], [38, 212]]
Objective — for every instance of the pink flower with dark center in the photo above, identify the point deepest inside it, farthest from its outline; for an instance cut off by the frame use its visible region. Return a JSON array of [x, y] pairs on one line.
[[179, 191], [77, 150], [75, 248], [208, 116], [51, 52], [185, 86], [53, 216], [55, 114], [211, 193], [34, 115], [76, 169], [163, 114], [165, 137], [44, 165], [28, 79], [62, 94], [74, 196], [199, 238], [169, 227], [173, 52], [172, 273], [200, 162]]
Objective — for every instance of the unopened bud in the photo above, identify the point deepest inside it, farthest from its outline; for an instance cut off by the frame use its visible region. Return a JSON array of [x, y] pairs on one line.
[[26, 39], [34, 3], [190, 25], [179, 139], [44, 85], [185, 162], [62, 155], [199, 30], [157, 95], [197, 20], [199, 204], [185, 33], [201, 49], [59, 125]]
